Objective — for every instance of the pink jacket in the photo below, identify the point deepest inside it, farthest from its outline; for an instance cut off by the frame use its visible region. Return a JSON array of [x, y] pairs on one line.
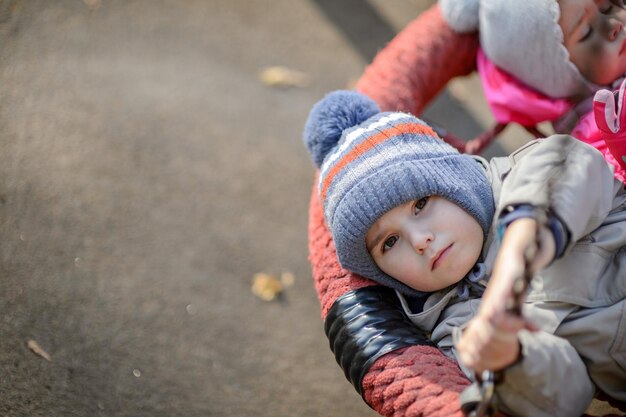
[[512, 101]]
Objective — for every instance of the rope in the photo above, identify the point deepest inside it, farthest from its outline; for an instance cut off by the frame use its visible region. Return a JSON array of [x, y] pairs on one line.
[[415, 381]]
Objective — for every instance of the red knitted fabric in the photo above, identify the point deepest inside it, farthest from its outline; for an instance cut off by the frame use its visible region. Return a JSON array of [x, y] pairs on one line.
[[415, 381], [404, 76]]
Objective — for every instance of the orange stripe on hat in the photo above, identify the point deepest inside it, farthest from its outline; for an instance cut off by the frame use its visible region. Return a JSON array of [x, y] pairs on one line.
[[369, 143]]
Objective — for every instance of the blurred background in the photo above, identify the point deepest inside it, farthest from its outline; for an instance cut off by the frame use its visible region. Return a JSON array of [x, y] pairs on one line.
[[154, 191]]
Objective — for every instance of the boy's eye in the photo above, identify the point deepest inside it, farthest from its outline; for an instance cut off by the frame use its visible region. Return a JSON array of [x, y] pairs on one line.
[[389, 242], [419, 205]]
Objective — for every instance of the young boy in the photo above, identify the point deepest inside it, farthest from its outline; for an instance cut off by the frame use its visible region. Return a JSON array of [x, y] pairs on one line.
[[544, 60], [408, 211]]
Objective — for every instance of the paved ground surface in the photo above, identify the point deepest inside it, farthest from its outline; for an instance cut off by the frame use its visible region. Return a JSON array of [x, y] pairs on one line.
[[146, 174]]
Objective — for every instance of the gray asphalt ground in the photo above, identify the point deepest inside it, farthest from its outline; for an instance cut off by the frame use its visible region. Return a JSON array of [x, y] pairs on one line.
[[146, 175]]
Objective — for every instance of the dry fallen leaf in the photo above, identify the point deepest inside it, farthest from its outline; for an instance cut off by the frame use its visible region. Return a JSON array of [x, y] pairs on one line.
[[283, 77], [38, 350], [266, 287]]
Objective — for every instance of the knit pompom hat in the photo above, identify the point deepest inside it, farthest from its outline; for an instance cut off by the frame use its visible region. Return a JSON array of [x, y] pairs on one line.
[[523, 37], [371, 162]]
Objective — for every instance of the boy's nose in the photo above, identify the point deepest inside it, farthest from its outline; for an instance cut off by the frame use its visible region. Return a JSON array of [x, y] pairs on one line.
[[421, 240]]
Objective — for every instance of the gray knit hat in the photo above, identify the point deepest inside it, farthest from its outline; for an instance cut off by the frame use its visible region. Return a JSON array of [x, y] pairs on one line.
[[371, 162], [523, 37]]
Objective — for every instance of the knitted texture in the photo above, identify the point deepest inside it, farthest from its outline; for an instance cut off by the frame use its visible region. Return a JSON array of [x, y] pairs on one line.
[[413, 382]]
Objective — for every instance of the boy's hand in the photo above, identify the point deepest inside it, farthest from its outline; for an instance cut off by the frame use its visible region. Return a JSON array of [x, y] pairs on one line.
[[490, 341], [610, 114]]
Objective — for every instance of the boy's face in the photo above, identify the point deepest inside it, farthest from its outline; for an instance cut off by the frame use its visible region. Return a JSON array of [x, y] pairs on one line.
[[595, 37], [427, 244]]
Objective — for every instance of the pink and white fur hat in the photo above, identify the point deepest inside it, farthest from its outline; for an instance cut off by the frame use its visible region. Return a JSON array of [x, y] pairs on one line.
[[523, 38]]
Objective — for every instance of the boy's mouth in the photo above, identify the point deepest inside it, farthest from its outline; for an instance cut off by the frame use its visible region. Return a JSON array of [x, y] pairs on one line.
[[439, 257]]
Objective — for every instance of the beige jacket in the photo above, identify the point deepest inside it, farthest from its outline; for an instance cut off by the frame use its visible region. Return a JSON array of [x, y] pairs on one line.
[[579, 301]]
